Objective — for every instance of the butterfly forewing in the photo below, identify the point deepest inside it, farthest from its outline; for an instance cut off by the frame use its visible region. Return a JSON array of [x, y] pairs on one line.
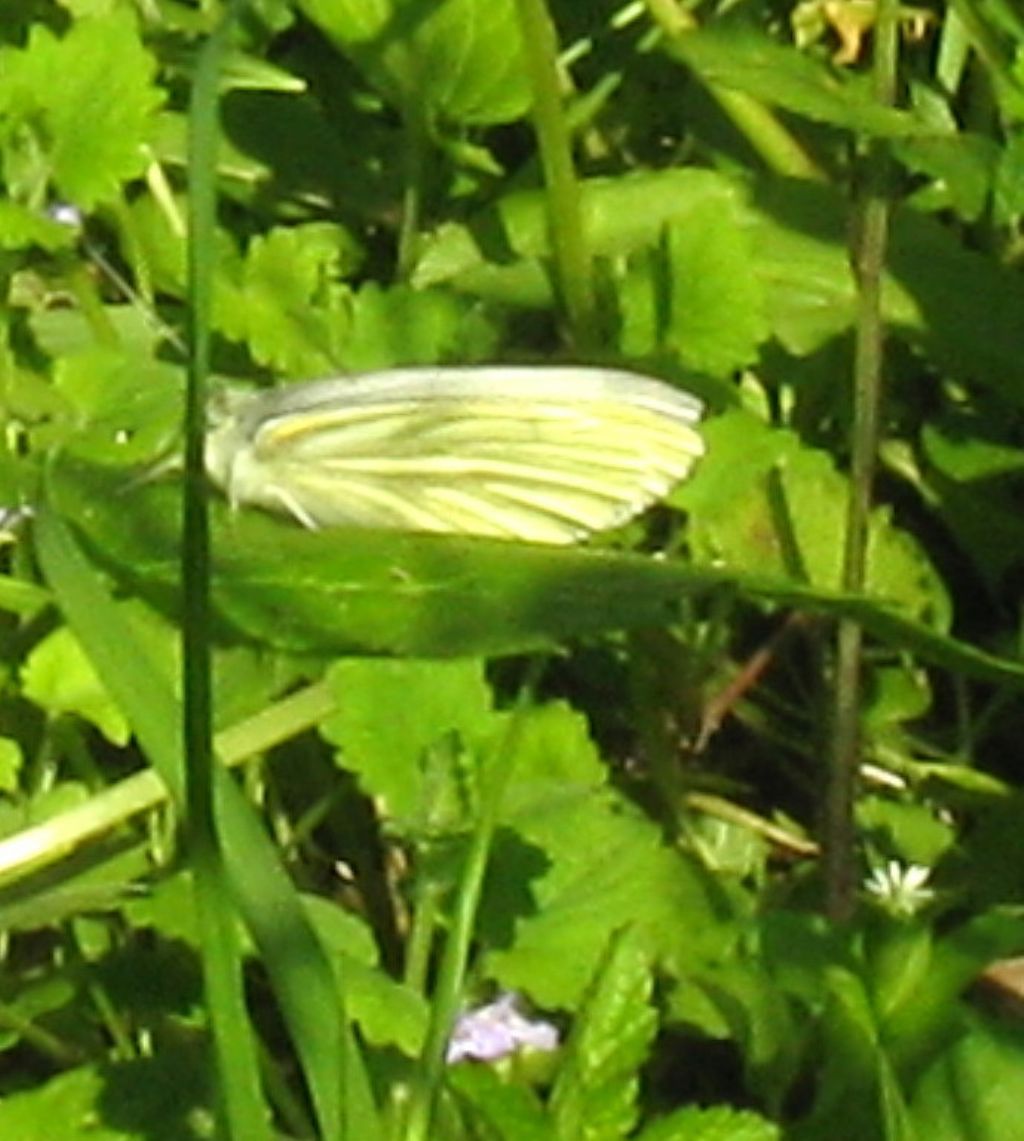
[[545, 455]]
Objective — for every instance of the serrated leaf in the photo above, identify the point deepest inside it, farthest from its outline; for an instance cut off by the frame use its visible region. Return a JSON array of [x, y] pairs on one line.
[[595, 1092], [290, 305], [958, 307], [420, 761], [388, 1013], [607, 868], [399, 325], [714, 1123], [785, 508], [87, 120]]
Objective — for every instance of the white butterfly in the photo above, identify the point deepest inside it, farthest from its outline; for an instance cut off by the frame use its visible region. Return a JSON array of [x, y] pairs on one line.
[[546, 455]]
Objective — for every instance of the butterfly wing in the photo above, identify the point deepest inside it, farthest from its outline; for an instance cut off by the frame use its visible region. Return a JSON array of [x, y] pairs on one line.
[[545, 455]]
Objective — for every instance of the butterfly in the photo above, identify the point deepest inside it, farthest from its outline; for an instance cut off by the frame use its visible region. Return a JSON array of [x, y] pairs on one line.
[[537, 454]]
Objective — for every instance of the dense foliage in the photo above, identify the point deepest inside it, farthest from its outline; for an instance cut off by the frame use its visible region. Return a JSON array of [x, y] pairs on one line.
[[625, 744]]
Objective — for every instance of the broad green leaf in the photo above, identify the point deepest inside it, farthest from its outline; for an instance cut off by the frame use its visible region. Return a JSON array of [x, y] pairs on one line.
[[786, 512], [335, 592], [165, 1097], [956, 306], [60, 679], [607, 867], [898, 954], [781, 75], [388, 1013], [907, 830], [399, 325], [959, 168], [621, 215], [296, 314], [454, 60], [974, 468], [848, 1103], [72, 120], [66, 332], [420, 761], [693, 297], [761, 1019]]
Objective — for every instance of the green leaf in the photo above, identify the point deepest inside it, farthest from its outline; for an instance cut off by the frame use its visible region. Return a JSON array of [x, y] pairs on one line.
[[899, 959], [595, 1092], [715, 1123], [956, 306], [164, 1098], [960, 168], [1008, 192], [781, 75], [847, 1104], [606, 867], [11, 762], [368, 592], [621, 215], [21, 227], [387, 1012], [694, 298], [454, 60], [762, 1021], [400, 325], [786, 513], [499, 1110], [59, 678], [290, 306], [414, 760], [70, 117], [975, 1089]]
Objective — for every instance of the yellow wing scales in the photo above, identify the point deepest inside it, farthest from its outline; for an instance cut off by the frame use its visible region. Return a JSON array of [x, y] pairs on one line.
[[543, 455]]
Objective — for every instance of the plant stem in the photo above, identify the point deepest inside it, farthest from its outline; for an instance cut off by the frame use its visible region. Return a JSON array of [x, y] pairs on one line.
[[868, 263], [495, 777], [569, 245], [242, 1111]]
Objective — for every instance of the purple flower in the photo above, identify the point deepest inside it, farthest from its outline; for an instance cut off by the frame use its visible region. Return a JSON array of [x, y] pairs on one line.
[[498, 1030]]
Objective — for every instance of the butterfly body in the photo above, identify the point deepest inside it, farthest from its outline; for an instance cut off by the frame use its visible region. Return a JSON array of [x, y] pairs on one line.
[[540, 454]]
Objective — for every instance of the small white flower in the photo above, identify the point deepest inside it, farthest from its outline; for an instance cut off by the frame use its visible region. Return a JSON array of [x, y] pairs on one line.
[[900, 888], [66, 214], [498, 1030]]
